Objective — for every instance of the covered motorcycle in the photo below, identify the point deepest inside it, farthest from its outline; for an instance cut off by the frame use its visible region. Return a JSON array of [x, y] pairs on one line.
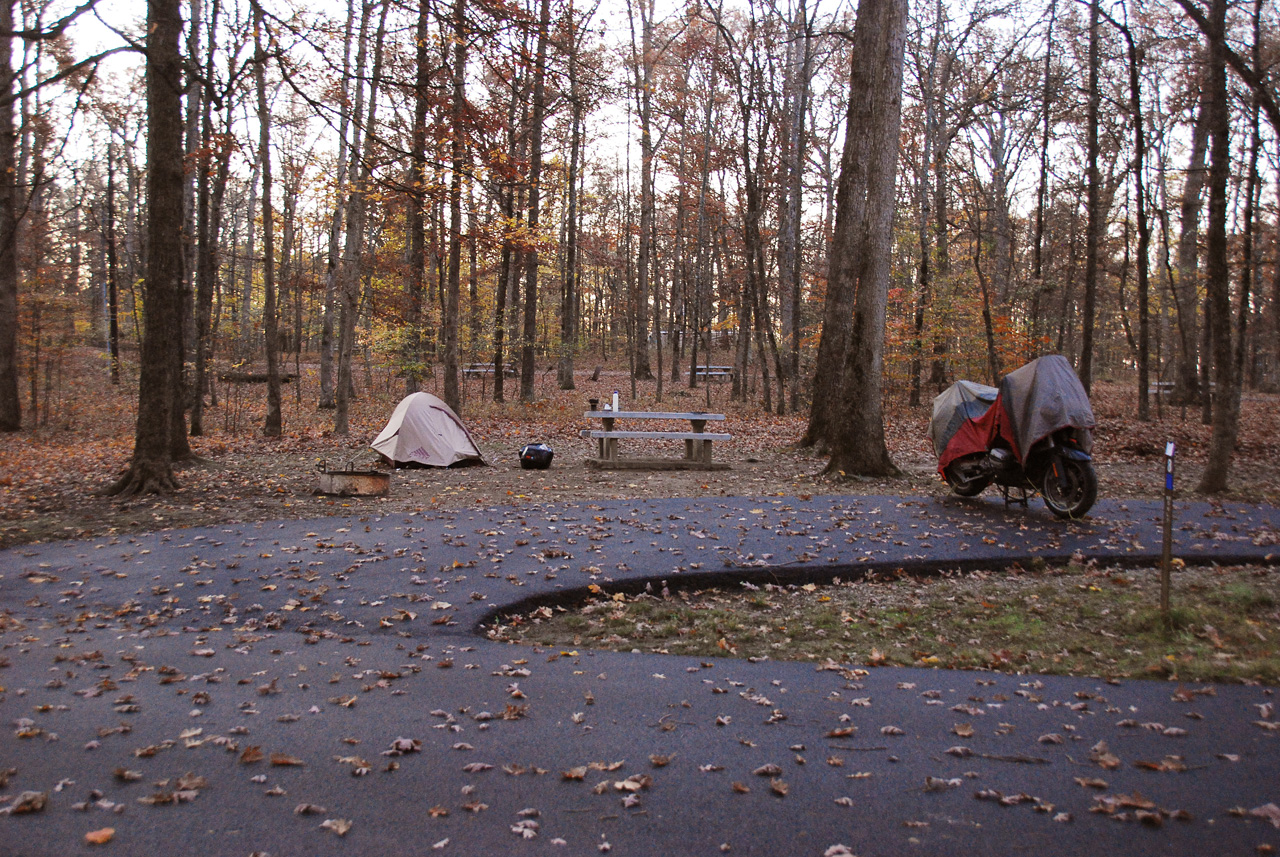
[[1034, 432]]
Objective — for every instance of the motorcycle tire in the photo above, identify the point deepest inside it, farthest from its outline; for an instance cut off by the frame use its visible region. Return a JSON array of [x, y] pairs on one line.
[[1076, 497], [960, 486]]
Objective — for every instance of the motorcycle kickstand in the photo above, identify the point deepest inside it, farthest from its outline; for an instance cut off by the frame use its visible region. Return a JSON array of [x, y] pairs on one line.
[[1021, 500]]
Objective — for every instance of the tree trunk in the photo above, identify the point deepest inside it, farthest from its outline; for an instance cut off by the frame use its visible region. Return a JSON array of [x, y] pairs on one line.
[[1093, 228], [334, 263], [272, 427], [569, 294], [151, 469], [1042, 190], [458, 154], [113, 294], [10, 402], [644, 74], [1187, 282], [1144, 230], [1222, 438], [530, 331], [349, 281], [417, 200], [208, 226], [861, 252]]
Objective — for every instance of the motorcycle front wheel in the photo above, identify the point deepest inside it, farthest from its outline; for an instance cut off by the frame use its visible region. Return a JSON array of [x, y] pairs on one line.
[[1069, 487], [965, 477]]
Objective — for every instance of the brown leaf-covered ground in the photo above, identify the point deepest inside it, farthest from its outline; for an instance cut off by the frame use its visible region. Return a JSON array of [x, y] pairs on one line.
[[52, 478]]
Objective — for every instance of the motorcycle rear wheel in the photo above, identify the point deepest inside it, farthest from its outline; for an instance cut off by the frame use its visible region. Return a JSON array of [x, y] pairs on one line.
[[957, 474], [1073, 494]]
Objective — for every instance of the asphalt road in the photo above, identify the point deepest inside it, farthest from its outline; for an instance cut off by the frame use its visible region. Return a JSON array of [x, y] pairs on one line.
[[231, 690]]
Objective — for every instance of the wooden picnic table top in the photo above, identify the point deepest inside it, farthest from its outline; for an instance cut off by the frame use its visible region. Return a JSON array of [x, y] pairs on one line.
[[653, 415]]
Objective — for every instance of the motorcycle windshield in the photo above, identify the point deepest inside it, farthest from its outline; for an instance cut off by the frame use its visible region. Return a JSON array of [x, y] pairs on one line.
[[1041, 397], [953, 407]]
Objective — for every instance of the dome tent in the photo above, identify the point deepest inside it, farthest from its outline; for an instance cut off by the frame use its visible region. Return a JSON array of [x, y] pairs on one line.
[[424, 430]]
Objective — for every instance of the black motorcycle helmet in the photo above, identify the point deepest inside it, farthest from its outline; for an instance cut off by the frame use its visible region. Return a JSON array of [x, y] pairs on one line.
[[536, 456]]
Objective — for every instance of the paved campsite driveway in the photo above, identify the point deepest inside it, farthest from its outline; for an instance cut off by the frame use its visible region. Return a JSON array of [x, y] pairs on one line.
[[255, 682]]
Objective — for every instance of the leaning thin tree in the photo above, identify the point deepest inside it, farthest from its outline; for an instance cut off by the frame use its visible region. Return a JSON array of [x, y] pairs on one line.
[[151, 469], [861, 247]]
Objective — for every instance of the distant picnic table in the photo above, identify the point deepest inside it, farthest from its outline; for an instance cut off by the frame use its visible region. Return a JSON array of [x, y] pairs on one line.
[[724, 373], [485, 370], [697, 441]]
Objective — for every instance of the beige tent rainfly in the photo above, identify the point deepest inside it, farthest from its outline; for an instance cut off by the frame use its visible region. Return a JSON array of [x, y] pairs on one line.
[[424, 430]]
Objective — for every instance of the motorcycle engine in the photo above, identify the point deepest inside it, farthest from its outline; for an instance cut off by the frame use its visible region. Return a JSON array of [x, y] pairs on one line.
[[998, 460]]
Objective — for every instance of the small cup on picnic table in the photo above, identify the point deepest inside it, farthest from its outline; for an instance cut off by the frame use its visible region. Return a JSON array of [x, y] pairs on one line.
[[594, 403]]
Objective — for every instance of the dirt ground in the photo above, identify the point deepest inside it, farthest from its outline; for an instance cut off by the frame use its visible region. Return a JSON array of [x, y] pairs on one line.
[[52, 478]]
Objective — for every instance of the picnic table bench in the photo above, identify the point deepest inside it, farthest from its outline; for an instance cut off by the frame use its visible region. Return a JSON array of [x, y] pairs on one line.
[[709, 372], [697, 441], [486, 369]]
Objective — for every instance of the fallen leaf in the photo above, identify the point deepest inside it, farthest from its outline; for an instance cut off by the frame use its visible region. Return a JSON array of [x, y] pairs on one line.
[[27, 802], [339, 826], [100, 837], [1102, 756], [1269, 811], [1169, 764], [284, 760], [938, 784]]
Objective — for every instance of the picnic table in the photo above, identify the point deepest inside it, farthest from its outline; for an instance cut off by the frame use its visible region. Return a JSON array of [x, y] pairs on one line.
[[708, 372], [486, 369], [697, 441]]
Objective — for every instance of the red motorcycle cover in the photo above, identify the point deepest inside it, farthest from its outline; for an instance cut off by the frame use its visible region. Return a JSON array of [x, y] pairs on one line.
[[1031, 403]]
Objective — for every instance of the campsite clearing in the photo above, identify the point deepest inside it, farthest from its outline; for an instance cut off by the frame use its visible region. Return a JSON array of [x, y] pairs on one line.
[[50, 478]]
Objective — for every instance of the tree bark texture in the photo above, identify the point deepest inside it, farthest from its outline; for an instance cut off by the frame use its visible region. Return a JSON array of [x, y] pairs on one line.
[[1222, 439], [861, 250], [10, 403], [151, 469]]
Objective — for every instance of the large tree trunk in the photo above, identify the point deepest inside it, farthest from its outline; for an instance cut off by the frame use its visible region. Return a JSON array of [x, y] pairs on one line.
[[151, 469], [1222, 439], [861, 251], [10, 403]]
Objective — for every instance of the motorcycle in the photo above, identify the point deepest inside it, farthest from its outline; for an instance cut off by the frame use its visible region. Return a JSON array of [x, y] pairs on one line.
[[1032, 434]]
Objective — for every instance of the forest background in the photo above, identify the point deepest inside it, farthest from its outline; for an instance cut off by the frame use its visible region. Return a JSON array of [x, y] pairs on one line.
[[373, 198]]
